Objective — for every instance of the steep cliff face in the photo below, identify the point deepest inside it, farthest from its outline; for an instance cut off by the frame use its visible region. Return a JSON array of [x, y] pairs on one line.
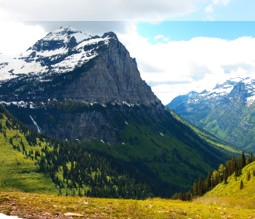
[[112, 78]]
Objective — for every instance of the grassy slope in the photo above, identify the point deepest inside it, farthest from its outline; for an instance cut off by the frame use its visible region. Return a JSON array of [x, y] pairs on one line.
[[17, 171], [207, 136], [230, 194], [37, 206], [232, 188]]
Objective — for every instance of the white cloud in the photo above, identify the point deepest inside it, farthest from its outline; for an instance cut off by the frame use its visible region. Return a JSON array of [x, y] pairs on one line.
[[177, 67], [16, 37], [97, 10]]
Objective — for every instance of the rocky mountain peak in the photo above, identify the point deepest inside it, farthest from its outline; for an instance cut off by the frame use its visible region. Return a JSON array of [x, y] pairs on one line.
[[60, 51], [110, 35], [78, 82], [80, 67]]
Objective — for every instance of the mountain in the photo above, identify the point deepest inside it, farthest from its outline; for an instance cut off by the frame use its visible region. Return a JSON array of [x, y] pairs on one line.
[[87, 91], [95, 72], [227, 111]]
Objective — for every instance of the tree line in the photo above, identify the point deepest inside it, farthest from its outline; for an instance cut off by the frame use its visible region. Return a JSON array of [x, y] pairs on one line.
[[233, 166]]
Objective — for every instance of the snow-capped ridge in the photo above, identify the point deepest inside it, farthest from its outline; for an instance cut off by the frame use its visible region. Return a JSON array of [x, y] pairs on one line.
[[225, 90], [65, 34], [60, 51]]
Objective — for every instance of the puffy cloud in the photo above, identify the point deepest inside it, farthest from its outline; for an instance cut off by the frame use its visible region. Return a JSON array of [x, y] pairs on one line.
[[97, 10], [176, 67], [16, 37]]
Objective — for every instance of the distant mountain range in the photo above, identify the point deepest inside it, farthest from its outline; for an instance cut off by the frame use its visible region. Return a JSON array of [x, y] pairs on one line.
[[86, 89], [227, 111]]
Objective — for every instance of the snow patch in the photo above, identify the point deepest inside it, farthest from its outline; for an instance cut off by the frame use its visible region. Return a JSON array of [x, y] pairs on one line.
[[65, 33], [49, 53], [59, 60], [20, 104]]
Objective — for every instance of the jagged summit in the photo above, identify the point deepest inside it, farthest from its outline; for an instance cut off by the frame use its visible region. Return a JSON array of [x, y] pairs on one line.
[[60, 51], [63, 34]]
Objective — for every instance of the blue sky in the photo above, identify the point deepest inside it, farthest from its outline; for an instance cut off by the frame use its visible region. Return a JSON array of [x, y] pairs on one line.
[[186, 30], [179, 45]]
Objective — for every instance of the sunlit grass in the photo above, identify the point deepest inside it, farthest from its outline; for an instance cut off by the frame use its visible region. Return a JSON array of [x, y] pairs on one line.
[[16, 171], [232, 188], [230, 195], [35, 205]]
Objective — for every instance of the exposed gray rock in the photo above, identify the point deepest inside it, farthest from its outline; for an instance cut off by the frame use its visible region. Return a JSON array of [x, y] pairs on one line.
[[113, 77]]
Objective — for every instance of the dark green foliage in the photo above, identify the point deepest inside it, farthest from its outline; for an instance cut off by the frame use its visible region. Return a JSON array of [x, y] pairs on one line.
[[75, 171]]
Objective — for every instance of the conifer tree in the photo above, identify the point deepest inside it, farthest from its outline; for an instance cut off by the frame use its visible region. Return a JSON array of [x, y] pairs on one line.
[[241, 184], [248, 175]]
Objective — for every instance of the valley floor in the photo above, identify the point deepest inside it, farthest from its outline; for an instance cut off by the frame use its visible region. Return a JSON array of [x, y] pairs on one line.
[[28, 205]]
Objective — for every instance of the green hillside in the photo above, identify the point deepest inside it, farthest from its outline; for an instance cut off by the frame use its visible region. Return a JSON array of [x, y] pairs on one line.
[[233, 187], [238, 192], [29, 164], [153, 158], [233, 123], [216, 142], [19, 171]]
